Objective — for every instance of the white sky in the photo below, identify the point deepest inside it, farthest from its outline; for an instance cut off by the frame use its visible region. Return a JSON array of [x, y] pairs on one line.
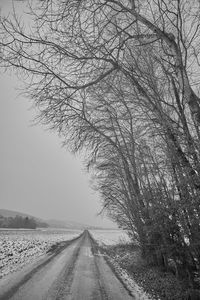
[[37, 175]]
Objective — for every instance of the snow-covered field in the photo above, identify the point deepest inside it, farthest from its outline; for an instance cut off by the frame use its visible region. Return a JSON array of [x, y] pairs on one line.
[[19, 247], [110, 237]]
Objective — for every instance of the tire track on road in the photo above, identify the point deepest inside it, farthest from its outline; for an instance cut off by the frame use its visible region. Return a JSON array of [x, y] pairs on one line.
[[62, 284], [76, 271], [52, 254]]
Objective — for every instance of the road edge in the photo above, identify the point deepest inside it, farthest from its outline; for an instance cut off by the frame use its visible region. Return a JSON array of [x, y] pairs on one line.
[[29, 270], [97, 249]]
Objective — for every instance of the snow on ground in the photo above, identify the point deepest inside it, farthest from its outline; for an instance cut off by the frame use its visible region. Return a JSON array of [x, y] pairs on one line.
[[19, 247], [129, 282], [106, 238], [110, 237]]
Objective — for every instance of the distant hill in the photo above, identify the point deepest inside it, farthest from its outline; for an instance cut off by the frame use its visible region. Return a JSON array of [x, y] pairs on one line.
[[5, 213], [50, 223], [68, 224], [11, 213]]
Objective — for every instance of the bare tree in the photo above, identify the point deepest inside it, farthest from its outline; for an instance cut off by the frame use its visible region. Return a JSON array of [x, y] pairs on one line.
[[120, 79]]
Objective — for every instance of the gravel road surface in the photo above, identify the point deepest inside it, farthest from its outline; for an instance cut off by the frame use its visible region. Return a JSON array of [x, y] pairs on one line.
[[73, 271]]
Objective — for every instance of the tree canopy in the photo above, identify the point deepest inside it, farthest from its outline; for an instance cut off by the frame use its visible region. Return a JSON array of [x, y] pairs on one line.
[[121, 80]]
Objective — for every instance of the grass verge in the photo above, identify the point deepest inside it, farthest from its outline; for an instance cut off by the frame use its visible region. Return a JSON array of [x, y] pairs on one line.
[[154, 281]]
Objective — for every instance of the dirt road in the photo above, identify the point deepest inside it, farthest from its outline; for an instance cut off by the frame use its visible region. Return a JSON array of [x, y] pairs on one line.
[[72, 272]]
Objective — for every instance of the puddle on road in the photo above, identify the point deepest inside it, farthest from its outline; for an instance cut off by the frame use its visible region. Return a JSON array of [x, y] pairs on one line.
[[88, 252]]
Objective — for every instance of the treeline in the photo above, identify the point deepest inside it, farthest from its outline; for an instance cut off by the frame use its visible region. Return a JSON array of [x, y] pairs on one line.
[[119, 80], [20, 222]]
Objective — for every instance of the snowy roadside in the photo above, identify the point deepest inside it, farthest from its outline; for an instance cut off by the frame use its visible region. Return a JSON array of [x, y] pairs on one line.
[[142, 279], [139, 276], [104, 240], [129, 282], [20, 247]]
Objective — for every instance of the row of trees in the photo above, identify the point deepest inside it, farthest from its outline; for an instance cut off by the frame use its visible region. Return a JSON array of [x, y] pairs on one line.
[[120, 80], [17, 222]]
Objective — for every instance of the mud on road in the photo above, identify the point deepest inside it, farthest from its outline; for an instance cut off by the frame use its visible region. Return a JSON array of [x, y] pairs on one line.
[[72, 271]]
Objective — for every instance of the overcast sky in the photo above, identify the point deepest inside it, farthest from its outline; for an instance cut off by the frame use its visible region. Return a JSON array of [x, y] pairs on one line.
[[37, 175]]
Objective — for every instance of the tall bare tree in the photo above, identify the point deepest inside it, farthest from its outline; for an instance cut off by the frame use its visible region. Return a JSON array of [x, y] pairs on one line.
[[120, 79]]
